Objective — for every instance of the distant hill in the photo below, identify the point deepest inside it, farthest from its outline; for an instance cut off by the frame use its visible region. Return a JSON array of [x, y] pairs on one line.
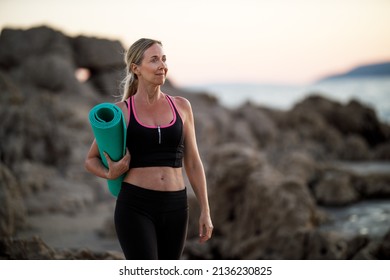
[[371, 70]]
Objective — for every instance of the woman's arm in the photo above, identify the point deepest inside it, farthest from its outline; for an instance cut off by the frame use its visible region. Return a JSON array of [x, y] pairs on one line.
[[194, 169], [93, 164]]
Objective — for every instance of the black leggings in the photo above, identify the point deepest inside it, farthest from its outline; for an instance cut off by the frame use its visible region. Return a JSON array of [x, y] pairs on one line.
[[151, 224]]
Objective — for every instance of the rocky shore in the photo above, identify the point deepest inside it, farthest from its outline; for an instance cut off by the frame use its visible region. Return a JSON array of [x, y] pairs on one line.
[[273, 176]]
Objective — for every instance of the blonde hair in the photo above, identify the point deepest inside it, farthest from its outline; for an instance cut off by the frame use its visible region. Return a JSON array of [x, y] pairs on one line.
[[135, 54]]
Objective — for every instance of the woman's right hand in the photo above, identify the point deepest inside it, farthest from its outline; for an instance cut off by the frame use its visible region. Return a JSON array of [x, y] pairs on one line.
[[117, 168]]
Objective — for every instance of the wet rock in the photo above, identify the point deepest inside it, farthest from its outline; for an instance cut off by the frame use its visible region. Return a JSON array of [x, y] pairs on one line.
[[326, 246], [375, 250], [335, 189], [373, 185], [384, 248]]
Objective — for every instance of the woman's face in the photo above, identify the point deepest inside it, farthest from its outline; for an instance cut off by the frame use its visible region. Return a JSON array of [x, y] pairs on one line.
[[153, 68]]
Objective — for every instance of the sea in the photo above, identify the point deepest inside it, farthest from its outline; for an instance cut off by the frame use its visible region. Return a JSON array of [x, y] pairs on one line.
[[372, 91]]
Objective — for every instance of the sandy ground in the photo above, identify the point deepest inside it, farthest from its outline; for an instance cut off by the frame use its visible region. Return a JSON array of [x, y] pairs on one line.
[[83, 230]]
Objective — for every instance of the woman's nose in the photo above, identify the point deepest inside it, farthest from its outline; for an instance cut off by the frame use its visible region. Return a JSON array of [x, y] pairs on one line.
[[162, 65]]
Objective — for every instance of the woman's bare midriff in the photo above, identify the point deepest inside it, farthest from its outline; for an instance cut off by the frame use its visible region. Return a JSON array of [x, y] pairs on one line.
[[156, 178]]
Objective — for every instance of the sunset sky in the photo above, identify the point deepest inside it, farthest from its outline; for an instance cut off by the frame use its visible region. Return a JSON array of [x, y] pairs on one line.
[[257, 41]]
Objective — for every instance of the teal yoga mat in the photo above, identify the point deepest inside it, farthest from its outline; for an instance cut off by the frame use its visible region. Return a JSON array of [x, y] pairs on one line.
[[109, 128]]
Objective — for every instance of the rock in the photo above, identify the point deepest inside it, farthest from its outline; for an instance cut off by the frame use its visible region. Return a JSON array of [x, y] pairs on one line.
[[86, 254], [243, 134], [375, 250], [17, 45], [33, 177], [12, 210], [384, 248], [353, 118], [97, 53], [253, 203], [335, 188], [326, 246], [297, 165], [195, 251], [35, 131], [36, 249], [51, 72], [373, 185], [382, 152], [311, 133], [108, 82], [355, 149], [31, 249], [261, 125], [105, 61]]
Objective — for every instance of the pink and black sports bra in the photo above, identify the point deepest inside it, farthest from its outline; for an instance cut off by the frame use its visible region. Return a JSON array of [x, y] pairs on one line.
[[155, 145]]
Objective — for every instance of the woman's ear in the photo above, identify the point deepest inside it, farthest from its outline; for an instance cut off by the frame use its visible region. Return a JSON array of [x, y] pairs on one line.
[[134, 68]]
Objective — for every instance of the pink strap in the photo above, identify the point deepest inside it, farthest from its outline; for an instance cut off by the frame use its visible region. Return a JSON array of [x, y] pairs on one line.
[[172, 101], [128, 110]]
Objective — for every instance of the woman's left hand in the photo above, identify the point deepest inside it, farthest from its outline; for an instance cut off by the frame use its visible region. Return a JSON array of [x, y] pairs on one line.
[[205, 227]]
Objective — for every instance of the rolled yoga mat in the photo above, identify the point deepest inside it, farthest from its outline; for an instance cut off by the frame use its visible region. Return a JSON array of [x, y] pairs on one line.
[[109, 128]]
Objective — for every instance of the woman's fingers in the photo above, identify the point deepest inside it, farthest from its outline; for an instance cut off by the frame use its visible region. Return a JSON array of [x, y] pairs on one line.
[[205, 232], [117, 168]]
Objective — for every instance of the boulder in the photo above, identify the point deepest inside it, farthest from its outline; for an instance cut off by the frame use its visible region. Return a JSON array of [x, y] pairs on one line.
[[50, 72], [355, 148], [17, 45], [252, 203], [98, 53], [261, 125], [297, 165], [373, 185], [30, 129], [353, 118], [335, 188]]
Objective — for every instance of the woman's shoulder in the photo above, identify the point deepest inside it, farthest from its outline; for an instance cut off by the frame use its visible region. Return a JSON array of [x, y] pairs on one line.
[[182, 102]]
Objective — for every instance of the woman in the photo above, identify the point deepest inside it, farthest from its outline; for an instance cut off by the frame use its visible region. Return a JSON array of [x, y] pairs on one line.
[[151, 214]]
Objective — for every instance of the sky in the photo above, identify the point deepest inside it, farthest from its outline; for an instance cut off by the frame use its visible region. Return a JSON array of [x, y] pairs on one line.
[[228, 41]]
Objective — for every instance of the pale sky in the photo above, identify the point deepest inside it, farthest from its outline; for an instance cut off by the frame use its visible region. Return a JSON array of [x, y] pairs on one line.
[[206, 41]]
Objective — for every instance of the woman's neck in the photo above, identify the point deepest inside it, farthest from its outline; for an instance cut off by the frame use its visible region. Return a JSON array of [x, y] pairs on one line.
[[149, 94]]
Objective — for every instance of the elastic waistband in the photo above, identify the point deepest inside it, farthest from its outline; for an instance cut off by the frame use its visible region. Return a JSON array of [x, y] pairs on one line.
[[137, 191]]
